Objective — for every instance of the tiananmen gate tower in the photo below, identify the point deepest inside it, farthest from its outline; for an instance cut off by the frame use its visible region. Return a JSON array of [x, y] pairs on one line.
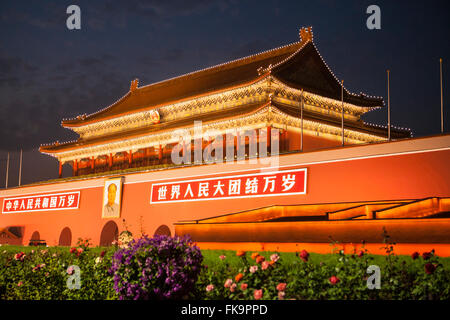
[[266, 152]]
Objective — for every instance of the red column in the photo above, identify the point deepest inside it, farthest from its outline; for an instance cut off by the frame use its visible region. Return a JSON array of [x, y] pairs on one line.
[[160, 153], [130, 157], [182, 149], [75, 168], [92, 163], [146, 153], [60, 169], [110, 161], [281, 141]]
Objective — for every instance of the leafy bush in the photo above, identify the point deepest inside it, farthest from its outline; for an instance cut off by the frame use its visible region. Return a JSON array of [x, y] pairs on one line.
[[35, 275], [96, 284], [343, 276], [156, 268], [257, 277], [42, 274], [171, 268]]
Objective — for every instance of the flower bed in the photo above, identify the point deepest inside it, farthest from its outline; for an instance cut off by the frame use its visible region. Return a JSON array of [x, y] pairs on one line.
[[173, 268]]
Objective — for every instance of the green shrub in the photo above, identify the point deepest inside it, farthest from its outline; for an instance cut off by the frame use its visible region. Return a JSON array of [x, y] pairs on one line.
[[30, 273]]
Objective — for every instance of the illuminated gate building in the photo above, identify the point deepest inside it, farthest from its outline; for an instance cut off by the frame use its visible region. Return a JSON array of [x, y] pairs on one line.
[[336, 176]]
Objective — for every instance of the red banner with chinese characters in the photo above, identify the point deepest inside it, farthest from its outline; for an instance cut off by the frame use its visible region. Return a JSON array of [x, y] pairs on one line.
[[42, 202], [278, 183]]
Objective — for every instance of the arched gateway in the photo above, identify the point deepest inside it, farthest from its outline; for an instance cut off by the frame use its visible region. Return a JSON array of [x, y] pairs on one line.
[[110, 232], [65, 239]]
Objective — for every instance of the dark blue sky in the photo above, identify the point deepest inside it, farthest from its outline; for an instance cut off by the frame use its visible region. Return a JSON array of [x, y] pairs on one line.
[[48, 72]]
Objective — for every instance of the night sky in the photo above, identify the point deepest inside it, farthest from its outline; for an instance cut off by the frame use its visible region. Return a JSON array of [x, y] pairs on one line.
[[48, 72]]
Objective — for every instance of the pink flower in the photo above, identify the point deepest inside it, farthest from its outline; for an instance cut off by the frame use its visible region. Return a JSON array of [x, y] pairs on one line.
[[209, 287], [70, 270], [79, 251], [334, 280], [281, 295], [265, 265], [281, 286], [361, 253], [304, 255], [222, 257], [258, 294], [20, 283], [274, 257], [228, 283], [244, 286], [253, 269], [233, 287], [73, 250]]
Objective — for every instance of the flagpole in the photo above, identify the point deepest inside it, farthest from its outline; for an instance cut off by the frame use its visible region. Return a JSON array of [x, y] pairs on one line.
[[389, 108], [301, 116], [7, 171], [442, 99], [342, 100], [20, 168]]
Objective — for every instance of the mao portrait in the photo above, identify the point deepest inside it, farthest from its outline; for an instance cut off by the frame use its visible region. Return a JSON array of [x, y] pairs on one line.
[[112, 198]]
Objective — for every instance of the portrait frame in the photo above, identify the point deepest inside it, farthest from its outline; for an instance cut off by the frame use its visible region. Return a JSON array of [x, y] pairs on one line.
[[112, 210]]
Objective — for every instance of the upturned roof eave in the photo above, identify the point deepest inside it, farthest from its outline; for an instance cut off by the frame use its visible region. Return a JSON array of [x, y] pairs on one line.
[[82, 122], [272, 53]]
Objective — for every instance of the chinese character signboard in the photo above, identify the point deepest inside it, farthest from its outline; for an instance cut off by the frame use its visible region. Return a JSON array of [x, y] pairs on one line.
[[42, 202], [265, 184]]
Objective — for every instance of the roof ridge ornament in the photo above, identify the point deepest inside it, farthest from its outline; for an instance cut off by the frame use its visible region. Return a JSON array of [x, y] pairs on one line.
[[134, 85], [260, 70], [306, 34]]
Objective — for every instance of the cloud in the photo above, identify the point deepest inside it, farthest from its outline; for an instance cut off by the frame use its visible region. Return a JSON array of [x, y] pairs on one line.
[[118, 14], [33, 101]]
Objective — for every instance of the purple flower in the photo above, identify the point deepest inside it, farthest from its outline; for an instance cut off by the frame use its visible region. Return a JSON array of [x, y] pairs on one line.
[[161, 267]]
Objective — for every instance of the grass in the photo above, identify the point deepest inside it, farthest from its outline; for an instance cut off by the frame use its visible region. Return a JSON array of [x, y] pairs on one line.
[[211, 257], [27, 249]]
